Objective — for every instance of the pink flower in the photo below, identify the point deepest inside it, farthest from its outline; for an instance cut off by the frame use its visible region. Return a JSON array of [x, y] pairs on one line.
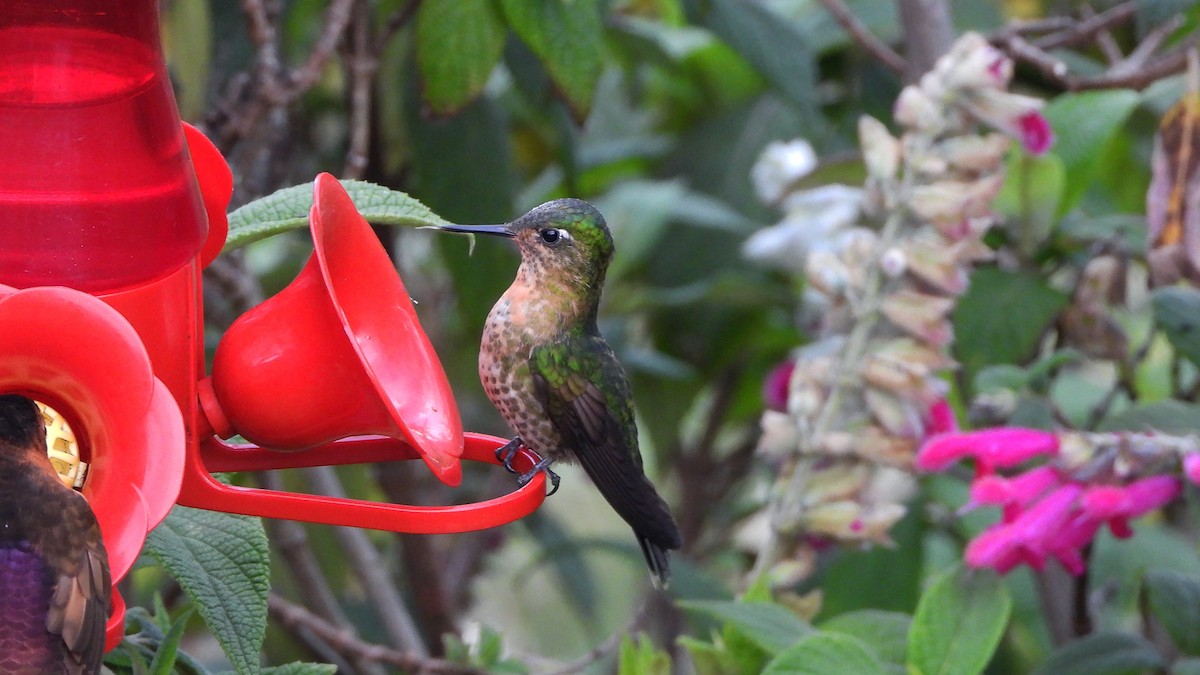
[[1016, 115], [972, 63], [1116, 504], [1028, 537], [1070, 539], [1035, 132], [777, 384], [1011, 493], [991, 448], [1060, 524], [1191, 467], [941, 418]]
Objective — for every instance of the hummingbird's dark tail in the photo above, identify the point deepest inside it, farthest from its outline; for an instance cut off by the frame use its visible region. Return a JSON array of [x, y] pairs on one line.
[[658, 560]]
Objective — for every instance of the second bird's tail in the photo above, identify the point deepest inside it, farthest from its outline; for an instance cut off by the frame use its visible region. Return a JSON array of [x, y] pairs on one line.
[[658, 560]]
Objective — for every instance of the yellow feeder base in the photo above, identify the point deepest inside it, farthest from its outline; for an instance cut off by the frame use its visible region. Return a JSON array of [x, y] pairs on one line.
[[62, 448]]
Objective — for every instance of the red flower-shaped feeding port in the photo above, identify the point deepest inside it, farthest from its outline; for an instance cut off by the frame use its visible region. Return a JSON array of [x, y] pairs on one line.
[[129, 429]]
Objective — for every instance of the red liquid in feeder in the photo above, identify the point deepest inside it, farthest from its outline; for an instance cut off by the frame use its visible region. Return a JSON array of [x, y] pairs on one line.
[[96, 188]]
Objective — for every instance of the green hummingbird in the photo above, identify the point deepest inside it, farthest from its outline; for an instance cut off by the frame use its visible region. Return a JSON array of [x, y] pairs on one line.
[[54, 578], [554, 379]]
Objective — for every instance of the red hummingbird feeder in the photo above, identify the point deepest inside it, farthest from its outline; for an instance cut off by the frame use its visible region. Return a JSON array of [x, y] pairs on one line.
[[109, 210]]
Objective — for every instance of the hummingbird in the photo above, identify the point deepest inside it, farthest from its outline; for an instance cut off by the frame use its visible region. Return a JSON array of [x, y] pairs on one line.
[[54, 578], [555, 380]]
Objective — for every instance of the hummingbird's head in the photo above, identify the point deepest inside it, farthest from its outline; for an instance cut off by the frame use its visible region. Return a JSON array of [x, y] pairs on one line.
[[20, 421], [563, 238]]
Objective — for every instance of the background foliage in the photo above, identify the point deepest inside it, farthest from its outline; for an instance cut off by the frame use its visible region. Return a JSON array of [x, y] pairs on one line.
[[655, 111]]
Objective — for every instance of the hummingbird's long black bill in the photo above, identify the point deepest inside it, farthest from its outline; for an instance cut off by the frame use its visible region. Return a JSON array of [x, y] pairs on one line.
[[498, 230]]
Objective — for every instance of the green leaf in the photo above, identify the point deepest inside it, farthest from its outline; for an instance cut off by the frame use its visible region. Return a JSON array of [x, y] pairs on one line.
[[885, 632], [1084, 123], [774, 44], [642, 658], [707, 658], [1167, 416], [566, 37], [1175, 600], [1007, 376], [463, 170], [1032, 191], [895, 572], [958, 623], [301, 668], [826, 654], [287, 209], [1151, 13], [164, 660], [768, 625], [984, 336], [490, 647], [1177, 313], [1103, 653], [222, 562], [143, 640], [459, 43]]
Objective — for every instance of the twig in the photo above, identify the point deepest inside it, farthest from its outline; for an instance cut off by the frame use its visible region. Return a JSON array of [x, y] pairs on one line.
[[928, 33], [864, 37], [1168, 64], [296, 617], [1022, 50], [1051, 584], [706, 477], [337, 17], [394, 23], [424, 566], [227, 278], [1028, 26], [1153, 40], [369, 568], [1115, 78], [262, 34], [1081, 614], [1085, 30], [291, 539], [251, 99], [362, 67], [1105, 40]]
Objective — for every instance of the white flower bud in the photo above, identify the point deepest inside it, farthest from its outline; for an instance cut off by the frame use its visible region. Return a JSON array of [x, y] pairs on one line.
[[881, 151], [779, 166], [893, 263]]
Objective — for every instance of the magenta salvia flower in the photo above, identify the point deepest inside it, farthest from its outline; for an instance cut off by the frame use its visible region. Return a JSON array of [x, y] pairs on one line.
[[991, 448], [1027, 538], [1047, 512], [1116, 504], [1068, 542], [941, 419], [1011, 493], [1035, 132], [777, 385], [1016, 115], [1191, 467]]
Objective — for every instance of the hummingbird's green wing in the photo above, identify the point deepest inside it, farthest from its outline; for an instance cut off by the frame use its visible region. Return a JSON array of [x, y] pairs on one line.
[[586, 395]]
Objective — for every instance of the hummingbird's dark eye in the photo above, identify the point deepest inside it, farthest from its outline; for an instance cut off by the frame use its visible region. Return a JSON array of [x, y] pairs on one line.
[[550, 235]]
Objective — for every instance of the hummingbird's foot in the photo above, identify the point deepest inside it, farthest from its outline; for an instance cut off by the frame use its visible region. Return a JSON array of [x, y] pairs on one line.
[[506, 453], [543, 465]]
